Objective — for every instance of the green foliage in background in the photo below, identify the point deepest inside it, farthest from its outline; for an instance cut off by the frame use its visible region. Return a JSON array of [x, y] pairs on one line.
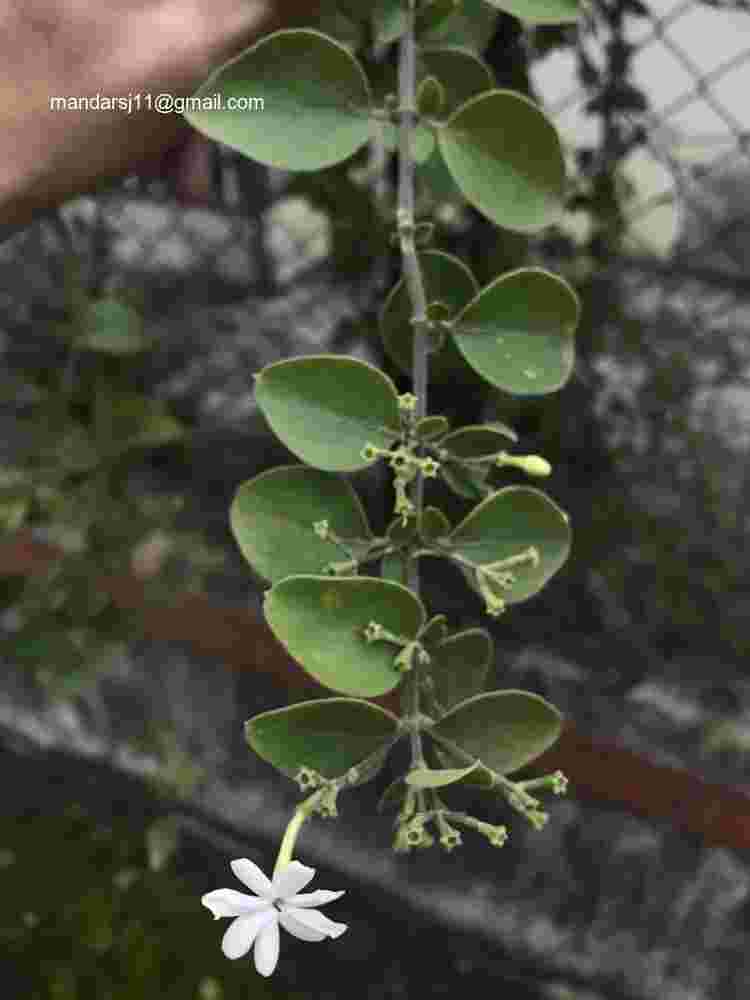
[[102, 916], [84, 428]]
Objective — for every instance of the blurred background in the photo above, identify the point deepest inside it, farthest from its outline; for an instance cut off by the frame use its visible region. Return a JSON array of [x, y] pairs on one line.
[[131, 636]]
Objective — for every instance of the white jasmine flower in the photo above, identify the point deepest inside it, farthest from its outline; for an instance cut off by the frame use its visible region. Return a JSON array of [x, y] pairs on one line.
[[257, 919]]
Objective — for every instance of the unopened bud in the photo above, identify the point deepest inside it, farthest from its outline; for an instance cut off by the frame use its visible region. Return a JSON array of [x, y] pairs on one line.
[[532, 465]]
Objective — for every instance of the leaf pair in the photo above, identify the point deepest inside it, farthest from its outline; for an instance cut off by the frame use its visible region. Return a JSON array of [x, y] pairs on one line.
[[310, 85], [504, 729], [320, 619]]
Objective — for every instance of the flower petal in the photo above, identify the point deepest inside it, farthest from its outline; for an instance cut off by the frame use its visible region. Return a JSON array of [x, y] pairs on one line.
[[291, 879], [242, 932], [230, 903], [315, 920], [266, 952], [250, 875], [298, 929], [318, 898]]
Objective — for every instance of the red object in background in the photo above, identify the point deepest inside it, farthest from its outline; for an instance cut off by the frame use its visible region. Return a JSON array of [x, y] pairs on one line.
[[598, 772]]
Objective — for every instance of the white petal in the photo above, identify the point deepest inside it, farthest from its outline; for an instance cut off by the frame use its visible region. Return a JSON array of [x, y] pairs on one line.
[[266, 952], [318, 898], [293, 878], [315, 920], [297, 929], [230, 903], [242, 932], [250, 875]]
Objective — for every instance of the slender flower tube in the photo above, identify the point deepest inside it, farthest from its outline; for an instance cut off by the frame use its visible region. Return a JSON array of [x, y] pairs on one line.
[[257, 918]]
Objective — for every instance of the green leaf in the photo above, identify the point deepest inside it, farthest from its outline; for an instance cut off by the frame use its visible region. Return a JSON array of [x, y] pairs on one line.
[[479, 440], [424, 140], [430, 97], [471, 26], [433, 524], [462, 482], [518, 185], [320, 620], [113, 327], [389, 20], [272, 519], [461, 73], [504, 729], [437, 178], [540, 11], [391, 568], [15, 502], [509, 521], [446, 279], [425, 777], [329, 735], [431, 17], [125, 420], [481, 776], [519, 332], [340, 26], [435, 630], [400, 533], [325, 408], [429, 428], [310, 85], [460, 664]]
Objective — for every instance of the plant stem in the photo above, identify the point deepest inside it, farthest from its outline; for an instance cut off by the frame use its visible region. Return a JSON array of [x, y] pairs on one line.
[[415, 287], [303, 812]]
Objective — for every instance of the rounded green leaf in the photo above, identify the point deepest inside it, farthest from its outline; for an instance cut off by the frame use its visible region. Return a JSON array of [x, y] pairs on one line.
[[433, 524], [446, 279], [540, 11], [329, 735], [464, 483], [320, 620], [432, 427], [423, 144], [272, 519], [478, 440], [392, 568], [113, 327], [430, 17], [471, 26], [504, 729], [435, 630], [426, 777], [461, 73], [459, 665], [326, 408], [519, 332], [311, 87], [505, 156], [430, 97], [508, 522], [438, 179]]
